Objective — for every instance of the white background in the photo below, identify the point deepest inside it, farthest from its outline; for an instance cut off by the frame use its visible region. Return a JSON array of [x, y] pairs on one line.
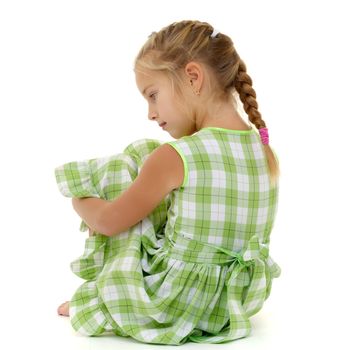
[[68, 92]]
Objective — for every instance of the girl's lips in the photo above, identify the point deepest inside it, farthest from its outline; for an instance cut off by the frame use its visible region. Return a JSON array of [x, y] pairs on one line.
[[161, 125]]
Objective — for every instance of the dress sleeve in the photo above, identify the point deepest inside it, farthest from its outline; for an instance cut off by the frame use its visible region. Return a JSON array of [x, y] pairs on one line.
[[103, 178], [74, 179]]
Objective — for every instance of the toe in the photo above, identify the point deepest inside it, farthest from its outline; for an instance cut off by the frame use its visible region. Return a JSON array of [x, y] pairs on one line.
[[62, 309]]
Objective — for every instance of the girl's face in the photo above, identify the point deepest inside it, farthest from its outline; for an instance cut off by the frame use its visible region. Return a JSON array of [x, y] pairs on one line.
[[157, 91]]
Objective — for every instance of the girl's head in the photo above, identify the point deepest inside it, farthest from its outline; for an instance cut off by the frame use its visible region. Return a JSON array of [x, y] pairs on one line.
[[179, 66], [188, 75]]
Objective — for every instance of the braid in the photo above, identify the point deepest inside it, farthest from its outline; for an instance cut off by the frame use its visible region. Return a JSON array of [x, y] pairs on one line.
[[243, 85]]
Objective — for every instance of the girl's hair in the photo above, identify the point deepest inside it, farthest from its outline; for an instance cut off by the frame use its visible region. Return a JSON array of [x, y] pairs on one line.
[[168, 52]]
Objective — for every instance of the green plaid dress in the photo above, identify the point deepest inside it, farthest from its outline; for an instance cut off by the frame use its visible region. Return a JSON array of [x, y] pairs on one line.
[[198, 266]]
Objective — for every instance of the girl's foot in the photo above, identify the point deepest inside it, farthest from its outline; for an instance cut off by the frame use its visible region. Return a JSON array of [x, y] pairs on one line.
[[63, 309]]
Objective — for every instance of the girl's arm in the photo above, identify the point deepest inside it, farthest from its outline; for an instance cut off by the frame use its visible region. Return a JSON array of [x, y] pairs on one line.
[[90, 210], [162, 172]]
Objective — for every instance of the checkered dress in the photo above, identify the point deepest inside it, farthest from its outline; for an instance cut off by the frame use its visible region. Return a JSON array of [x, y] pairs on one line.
[[198, 266]]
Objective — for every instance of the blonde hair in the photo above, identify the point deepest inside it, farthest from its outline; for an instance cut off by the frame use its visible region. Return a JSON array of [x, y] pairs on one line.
[[169, 50]]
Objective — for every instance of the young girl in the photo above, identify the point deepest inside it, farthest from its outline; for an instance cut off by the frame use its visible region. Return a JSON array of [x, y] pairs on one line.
[[182, 252]]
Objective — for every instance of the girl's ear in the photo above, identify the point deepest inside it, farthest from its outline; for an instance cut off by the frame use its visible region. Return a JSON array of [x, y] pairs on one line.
[[194, 73]]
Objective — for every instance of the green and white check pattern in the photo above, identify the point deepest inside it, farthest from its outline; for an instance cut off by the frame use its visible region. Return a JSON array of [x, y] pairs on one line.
[[198, 266]]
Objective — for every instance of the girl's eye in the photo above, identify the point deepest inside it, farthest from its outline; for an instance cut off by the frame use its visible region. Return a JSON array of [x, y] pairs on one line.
[[151, 96]]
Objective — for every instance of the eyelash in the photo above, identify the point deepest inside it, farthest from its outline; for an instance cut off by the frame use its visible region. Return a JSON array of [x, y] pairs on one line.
[[151, 96]]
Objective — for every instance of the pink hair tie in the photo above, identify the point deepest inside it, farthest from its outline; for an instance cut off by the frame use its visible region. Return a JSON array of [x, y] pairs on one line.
[[264, 135]]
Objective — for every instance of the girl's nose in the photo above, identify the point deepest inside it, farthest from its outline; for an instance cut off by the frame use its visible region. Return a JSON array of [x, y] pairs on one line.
[[152, 115]]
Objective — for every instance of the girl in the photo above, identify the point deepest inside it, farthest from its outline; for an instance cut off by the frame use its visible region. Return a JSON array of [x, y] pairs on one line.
[[200, 271]]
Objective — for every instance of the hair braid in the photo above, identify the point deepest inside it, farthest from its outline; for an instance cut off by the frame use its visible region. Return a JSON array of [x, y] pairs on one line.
[[243, 85]]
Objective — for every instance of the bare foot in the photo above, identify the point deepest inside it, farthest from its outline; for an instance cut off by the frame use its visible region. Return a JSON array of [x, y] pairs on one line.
[[63, 309]]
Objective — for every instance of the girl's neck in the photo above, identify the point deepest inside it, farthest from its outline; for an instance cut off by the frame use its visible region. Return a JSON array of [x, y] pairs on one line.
[[227, 118]]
